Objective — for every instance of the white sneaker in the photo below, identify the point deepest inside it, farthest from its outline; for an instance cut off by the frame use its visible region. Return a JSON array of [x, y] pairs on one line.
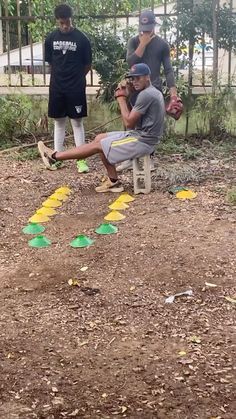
[[152, 167], [128, 165], [125, 165]]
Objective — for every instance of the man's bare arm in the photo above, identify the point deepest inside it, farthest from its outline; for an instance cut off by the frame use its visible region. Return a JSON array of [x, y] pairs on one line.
[[130, 118]]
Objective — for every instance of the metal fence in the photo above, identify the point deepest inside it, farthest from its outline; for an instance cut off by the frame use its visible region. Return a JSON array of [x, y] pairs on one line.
[[22, 54]]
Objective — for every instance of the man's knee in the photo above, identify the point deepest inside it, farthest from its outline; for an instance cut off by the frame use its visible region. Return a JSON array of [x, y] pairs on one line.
[[99, 137]]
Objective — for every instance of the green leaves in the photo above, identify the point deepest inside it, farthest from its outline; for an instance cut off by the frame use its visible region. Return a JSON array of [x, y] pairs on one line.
[[195, 18], [15, 113]]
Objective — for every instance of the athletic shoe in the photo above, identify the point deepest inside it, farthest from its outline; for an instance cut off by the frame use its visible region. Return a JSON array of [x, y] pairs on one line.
[[108, 186], [125, 165], [57, 165], [46, 154], [128, 165], [152, 167], [82, 166]]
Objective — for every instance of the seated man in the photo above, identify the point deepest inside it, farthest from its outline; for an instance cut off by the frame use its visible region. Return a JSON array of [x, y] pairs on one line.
[[144, 125]]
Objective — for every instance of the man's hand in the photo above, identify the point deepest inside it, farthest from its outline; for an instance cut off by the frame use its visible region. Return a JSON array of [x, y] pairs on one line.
[[145, 38], [123, 84], [125, 88], [128, 85], [121, 92], [175, 107]]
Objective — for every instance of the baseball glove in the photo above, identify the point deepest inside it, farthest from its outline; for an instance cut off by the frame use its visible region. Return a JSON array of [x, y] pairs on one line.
[[124, 88], [175, 107]]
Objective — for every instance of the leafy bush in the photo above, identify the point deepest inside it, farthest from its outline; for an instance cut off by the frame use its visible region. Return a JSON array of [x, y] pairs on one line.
[[109, 62], [15, 113], [212, 112]]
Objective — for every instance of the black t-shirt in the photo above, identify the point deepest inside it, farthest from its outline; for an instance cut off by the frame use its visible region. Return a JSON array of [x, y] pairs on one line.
[[68, 54]]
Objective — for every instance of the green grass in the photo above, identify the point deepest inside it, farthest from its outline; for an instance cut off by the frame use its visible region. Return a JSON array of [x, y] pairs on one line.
[[24, 155], [7, 144], [175, 145], [226, 146], [231, 196]]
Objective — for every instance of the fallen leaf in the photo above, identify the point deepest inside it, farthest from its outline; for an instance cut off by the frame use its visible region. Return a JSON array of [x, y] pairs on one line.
[[231, 300], [10, 355], [132, 288], [179, 378], [224, 381], [83, 343], [182, 353], [104, 395], [124, 409], [74, 282], [84, 268], [195, 339], [57, 400], [74, 413], [210, 284]]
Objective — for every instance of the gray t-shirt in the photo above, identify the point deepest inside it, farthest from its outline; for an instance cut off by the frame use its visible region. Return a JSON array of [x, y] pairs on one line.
[[156, 53], [150, 104]]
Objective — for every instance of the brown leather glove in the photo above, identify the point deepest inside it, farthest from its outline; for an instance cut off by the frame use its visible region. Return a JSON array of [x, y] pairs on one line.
[[175, 107], [125, 88], [123, 84]]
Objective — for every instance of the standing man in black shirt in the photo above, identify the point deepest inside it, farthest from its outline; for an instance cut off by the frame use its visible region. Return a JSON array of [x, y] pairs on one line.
[[68, 51]]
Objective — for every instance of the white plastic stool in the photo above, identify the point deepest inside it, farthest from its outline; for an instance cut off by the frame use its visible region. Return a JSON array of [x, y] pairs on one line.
[[142, 174]]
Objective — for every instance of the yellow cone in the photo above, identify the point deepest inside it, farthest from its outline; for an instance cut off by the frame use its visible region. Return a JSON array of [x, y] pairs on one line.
[[64, 190], [118, 205], [39, 218], [46, 211], [186, 194], [125, 197], [59, 196], [51, 203], [114, 216]]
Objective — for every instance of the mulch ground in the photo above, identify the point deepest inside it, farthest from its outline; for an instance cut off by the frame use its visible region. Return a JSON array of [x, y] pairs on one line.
[[121, 351]]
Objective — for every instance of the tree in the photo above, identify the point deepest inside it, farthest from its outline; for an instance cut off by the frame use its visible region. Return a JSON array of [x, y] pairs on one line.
[[195, 18]]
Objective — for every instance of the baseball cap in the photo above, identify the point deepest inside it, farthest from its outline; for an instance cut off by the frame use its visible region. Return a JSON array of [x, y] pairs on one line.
[[140, 69], [147, 21]]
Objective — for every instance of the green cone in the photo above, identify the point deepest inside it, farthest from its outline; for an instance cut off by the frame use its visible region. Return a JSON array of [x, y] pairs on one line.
[[81, 241], [39, 241], [106, 228], [33, 228]]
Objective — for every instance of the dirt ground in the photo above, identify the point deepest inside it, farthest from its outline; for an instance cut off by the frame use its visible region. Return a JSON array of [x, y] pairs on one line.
[[122, 352]]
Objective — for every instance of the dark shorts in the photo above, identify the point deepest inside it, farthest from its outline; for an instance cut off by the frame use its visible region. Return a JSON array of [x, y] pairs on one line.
[[71, 104]]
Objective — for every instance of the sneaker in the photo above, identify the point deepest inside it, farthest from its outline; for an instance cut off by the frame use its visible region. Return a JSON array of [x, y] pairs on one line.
[[128, 165], [57, 165], [152, 167], [125, 165], [109, 186], [82, 166], [46, 154]]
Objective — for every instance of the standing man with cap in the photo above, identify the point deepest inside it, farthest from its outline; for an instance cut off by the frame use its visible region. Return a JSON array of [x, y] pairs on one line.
[[68, 52], [144, 125], [151, 49]]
